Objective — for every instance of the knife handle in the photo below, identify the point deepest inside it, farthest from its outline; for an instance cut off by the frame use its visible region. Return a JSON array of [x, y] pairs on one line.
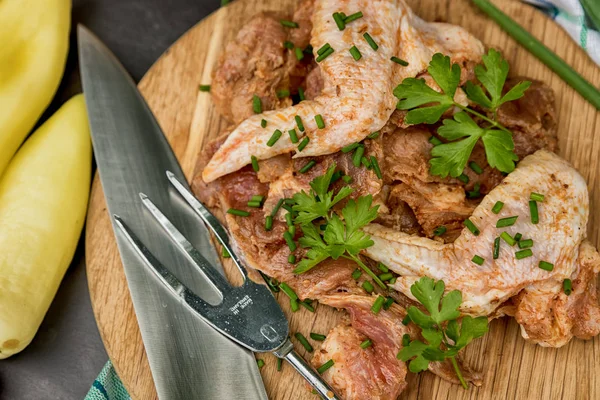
[[307, 372]]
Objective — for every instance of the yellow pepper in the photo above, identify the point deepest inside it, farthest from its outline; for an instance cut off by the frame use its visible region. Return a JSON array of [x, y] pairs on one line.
[[34, 40], [43, 202]]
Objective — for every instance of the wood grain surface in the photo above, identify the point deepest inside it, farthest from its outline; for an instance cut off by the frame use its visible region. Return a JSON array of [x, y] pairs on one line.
[[513, 368]]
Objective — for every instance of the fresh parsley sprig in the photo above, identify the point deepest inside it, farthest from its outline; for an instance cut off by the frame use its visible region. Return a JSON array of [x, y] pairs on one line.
[[426, 105], [444, 335], [341, 237]]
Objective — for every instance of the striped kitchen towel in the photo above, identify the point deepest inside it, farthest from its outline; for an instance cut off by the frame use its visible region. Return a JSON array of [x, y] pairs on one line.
[[108, 386], [571, 15]]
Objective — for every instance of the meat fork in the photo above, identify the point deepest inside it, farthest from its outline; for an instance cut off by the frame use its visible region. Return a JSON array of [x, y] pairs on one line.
[[248, 314]]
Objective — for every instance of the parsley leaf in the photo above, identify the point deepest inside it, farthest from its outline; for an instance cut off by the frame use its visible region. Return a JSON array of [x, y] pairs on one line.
[[426, 105], [444, 335]]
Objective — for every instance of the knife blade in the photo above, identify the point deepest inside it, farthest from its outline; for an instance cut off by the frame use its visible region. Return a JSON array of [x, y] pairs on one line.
[[188, 359]]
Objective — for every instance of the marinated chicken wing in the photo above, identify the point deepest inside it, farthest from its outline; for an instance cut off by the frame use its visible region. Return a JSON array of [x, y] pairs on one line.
[[357, 96], [557, 239]]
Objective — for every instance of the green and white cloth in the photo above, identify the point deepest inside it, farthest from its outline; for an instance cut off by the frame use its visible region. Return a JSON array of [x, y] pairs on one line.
[[570, 14], [567, 13]]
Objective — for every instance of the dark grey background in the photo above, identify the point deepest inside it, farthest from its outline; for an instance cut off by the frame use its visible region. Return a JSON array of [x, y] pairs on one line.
[[67, 353]]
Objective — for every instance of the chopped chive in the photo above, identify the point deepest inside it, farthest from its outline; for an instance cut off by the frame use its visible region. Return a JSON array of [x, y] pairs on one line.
[[319, 121], [366, 344], [254, 161], [204, 88], [356, 274], [358, 154], [308, 49], [325, 366], [406, 320], [291, 259], [475, 193], [263, 123], [288, 45], [294, 305], [399, 61], [508, 221], [373, 135], [518, 237], [256, 104], [225, 253], [289, 202], [392, 281], [254, 204], [274, 138], [378, 304], [497, 207], [304, 342], [370, 40], [475, 167], [523, 254], [323, 49], [260, 363], [308, 166], [536, 196], [365, 162], [533, 209], [382, 267], [307, 306], [353, 17], [439, 231], [299, 53], [496, 253], [301, 94], [272, 283], [283, 93], [323, 56], [239, 213], [292, 230], [546, 266], [567, 286], [386, 276], [471, 226], [293, 135], [299, 123], [347, 179], [463, 178], [337, 175], [277, 207], [355, 53], [289, 24], [368, 286], [317, 336], [405, 340], [350, 147], [478, 260], [388, 303], [339, 21], [376, 168], [435, 141], [269, 222], [279, 364], [289, 239], [508, 239], [288, 290], [287, 207], [525, 244]]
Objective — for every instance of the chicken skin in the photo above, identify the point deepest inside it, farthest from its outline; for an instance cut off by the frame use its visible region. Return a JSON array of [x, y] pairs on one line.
[[535, 281], [357, 96]]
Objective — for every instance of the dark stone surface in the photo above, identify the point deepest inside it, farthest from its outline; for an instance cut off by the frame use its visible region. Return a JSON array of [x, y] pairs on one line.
[[67, 353]]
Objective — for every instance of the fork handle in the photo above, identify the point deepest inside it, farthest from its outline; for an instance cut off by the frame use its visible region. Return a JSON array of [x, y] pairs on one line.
[[307, 372]]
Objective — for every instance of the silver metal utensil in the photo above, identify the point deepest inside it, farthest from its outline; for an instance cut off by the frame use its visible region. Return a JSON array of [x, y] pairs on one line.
[[248, 314]]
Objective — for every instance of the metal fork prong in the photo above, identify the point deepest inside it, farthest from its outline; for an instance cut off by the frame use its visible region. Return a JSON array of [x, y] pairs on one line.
[[209, 219], [212, 275], [164, 275]]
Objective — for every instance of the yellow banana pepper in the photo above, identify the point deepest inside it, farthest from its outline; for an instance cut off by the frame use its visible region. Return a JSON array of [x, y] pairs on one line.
[[34, 40], [43, 202]]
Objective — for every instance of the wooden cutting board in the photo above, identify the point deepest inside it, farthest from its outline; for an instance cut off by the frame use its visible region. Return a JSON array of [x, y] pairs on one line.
[[513, 369]]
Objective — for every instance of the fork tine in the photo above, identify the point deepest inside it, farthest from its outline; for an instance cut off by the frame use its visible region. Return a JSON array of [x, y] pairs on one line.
[[214, 277], [165, 276], [209, 219]]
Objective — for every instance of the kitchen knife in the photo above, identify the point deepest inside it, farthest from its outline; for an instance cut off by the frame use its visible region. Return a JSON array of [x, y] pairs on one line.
[[188, 358]]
